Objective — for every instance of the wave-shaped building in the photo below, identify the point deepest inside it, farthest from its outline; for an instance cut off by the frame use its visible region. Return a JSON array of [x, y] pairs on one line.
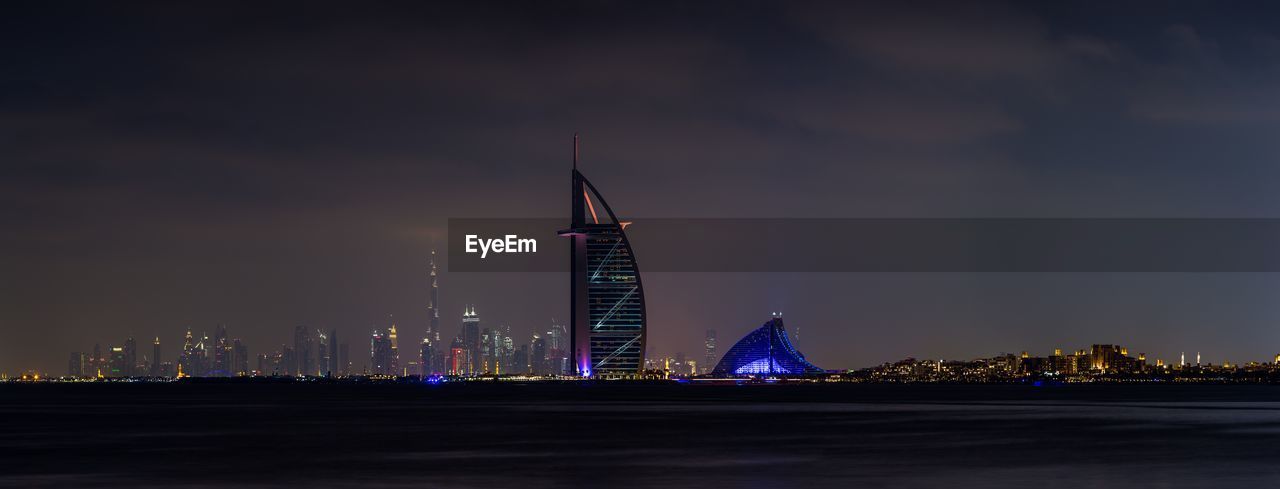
[[606, 297], [765, 351]]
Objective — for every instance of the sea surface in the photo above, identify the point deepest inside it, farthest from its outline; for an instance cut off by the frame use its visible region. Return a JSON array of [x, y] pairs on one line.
[[610, 435]]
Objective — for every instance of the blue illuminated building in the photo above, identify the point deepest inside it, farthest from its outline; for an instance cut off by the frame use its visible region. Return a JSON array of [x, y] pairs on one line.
[[765, 351]]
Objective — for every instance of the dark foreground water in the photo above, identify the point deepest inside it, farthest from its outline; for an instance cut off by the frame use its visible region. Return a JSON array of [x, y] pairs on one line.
[[621, 436]]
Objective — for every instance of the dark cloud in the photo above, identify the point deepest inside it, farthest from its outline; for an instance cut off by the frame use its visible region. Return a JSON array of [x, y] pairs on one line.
[[976, 41], [1197, 84]]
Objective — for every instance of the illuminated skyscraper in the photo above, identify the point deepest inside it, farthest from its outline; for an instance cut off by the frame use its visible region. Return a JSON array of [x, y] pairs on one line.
[[116, 364], [186, 359], [221, 352], [322, 353], [496, 350], [558, 350], [607, 311], [380, 362], [507, 351], [425, 359], [202, 356], [471, 338], [538, 356], [710, 358], [156, 371], [488, 351], [394, 341], [459, 364], [433, 317]]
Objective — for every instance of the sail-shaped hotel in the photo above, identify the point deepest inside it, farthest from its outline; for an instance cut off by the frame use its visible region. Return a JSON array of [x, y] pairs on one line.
[[607, 298]]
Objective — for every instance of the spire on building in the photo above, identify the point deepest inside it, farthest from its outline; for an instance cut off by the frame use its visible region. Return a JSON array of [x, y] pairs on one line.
[[433, 303]]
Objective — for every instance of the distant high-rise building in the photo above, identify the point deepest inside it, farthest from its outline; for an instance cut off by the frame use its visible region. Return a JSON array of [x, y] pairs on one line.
[[558, 350], [96, 363], [433, 315], [506, 353], [202, 362], [130, 357], [288, 361], [333, 353], [304, 355], [425, 359], [239, 358], [380, 360], [156, 370], [186, 358], [488, 351], [459, 363], [496, 350], [75, 366], [520, 360], [322, 353], [221, 352], [117, 364], [264, 364], [471, 338], [538, 356], [395, 349], [709, 359]]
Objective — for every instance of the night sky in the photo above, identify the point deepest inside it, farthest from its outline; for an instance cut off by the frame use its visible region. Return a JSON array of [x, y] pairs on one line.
[[168, 166]]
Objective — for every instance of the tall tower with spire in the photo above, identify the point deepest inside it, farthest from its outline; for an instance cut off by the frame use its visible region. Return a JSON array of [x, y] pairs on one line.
[[395, 347], [186, 359], [432, 342], [471, 337], [155, 358], [433, 304]]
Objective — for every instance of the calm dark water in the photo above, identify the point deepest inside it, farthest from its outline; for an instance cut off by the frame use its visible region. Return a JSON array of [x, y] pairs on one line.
[[622, 436]]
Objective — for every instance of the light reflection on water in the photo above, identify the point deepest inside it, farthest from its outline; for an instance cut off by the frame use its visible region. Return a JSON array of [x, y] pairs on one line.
[[230, 436]]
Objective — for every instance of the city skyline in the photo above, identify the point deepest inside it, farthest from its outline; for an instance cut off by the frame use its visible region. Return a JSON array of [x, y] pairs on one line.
[[173, 166], [520, 359]]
